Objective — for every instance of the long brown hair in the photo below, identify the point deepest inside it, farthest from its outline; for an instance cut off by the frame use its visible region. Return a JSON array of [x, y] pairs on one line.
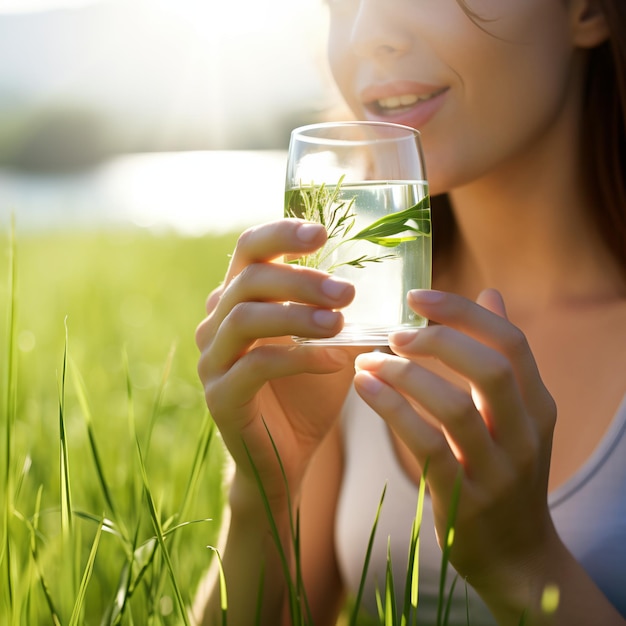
[[603, 141]]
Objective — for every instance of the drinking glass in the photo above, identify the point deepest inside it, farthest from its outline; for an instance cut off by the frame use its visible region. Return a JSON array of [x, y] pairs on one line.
[[366, 183]]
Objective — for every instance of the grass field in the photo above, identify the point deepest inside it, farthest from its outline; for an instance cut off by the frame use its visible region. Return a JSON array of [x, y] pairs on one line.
[[100, 405], [111, 475]]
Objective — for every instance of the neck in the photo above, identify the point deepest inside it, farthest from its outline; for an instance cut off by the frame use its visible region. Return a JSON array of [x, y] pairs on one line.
[[527, 229]]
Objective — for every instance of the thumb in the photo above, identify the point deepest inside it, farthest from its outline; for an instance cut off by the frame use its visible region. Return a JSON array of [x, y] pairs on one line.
[[491, 299]]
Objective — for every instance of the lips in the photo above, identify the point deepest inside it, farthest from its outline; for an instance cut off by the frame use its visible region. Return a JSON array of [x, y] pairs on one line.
[[405, 102]]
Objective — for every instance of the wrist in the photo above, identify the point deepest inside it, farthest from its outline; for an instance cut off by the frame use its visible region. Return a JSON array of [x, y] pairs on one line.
[[247, 500], [526, 590]]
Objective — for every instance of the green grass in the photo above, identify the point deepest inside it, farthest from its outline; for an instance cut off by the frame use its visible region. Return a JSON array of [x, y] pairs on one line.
[[111, 484], [110, 458]]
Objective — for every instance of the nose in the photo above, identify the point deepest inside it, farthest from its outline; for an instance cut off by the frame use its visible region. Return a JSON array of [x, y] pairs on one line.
[[377, 30]]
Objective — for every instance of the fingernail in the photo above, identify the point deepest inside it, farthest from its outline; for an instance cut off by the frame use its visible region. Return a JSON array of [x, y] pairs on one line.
[[340, 357], [307, 232], [334, 288], [325, 318], [368, 383], [402, 337], [366, 359], [426, 296]]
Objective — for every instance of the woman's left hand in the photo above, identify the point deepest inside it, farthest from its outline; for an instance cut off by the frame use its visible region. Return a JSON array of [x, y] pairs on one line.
[[495, 434]]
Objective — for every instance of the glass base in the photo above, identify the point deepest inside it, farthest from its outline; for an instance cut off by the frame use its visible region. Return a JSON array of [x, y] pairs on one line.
[[360, 336]]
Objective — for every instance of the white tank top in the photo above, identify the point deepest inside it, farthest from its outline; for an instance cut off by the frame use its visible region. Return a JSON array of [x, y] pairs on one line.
[[589, 512]]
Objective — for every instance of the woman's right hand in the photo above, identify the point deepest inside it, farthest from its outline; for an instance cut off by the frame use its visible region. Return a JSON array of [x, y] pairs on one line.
[[256, 379]]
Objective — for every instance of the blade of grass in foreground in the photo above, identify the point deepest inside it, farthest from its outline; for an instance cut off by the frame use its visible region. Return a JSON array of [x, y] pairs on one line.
[[223, 593], [368, 555], [158, 400], [34, 529], [76, 617], [66, 492], [294, 604], [10, 416], [81, 393], [160, 538], [445, 557], [390, 592], [411, 591], [199, 459]]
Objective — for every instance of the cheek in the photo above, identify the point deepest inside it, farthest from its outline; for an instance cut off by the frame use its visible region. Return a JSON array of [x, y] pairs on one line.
[[341, 63], [498, 112]]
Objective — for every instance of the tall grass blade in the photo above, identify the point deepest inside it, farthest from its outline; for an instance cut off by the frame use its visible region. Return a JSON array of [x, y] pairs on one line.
[[81, 393], [390, 592], [10, 417], [368, 556], [259, 597], [294, 604], [34, 552], [160, 538], [200, 457], [447, 547], [411, 591], [76, 618], [300, 598], [446, 615], [223, 591], [158, 400], [66, 492]]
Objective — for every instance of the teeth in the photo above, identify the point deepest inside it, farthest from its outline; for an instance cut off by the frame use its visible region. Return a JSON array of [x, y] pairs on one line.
[[406, 100]]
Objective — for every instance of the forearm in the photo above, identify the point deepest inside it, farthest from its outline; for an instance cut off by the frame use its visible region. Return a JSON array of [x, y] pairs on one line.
[[555, 592], [250, 559]]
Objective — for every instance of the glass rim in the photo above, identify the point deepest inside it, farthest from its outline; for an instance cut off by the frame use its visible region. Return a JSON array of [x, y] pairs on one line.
[[302, 132]]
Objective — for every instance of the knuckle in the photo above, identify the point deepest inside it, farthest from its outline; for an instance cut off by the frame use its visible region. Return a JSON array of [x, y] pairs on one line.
[[246, 238], [497, 372], [213, 398], [238, 315], [548, 416], [204, 333], [431, 337], [438, 451], [462, 409], [248, 274], [515, 342]]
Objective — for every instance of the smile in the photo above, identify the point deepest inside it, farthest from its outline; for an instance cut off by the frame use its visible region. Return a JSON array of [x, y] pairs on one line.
[[401, 103]]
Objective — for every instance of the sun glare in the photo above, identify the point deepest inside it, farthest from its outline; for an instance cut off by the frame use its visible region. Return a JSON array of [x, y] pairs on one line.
[[28, 6]]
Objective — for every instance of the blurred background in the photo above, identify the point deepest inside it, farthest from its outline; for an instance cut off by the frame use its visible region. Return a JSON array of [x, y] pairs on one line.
[[167, 114]]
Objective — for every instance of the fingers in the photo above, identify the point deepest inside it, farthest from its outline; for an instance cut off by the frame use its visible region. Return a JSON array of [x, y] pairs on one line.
[[262, 299], [490, 374], [507, 414], [491, 299], [274, 300], [487, 327], [408, 397], [271, 241], [237, 386]]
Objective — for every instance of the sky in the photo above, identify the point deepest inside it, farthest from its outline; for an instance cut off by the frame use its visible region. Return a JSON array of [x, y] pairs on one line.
[[224, 64], [18, 6]]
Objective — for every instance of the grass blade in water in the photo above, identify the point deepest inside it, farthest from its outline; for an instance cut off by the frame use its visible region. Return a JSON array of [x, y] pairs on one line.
[[389, 230]]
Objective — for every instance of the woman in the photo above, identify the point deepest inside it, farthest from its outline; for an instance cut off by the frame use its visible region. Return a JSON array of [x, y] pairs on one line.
[[521, 106]]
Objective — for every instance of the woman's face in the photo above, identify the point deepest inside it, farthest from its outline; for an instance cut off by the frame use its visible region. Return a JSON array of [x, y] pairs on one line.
[[482, 92]]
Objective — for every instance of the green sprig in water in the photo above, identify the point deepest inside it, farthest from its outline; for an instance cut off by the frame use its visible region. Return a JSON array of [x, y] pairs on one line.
[[322, 204]]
